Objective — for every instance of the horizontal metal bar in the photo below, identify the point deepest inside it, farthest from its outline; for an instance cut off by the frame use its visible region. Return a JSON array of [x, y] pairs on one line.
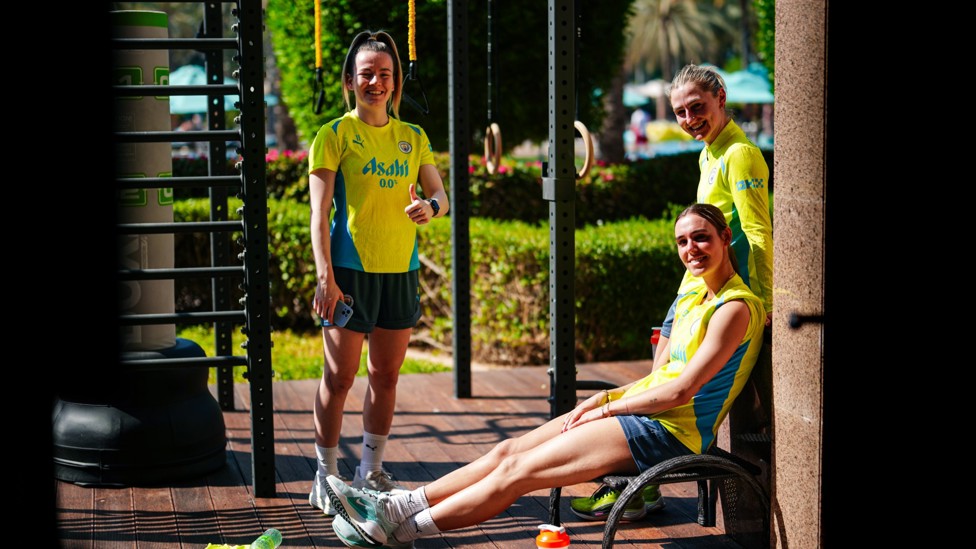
[[162, 363], [188, 227], [179, 182], [170, 136], [183, 318], [168, 90], [186, 272], [174, 43]]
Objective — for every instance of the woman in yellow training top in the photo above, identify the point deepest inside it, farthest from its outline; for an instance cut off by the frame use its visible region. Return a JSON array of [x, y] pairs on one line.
[[675, 410], [367, 164]]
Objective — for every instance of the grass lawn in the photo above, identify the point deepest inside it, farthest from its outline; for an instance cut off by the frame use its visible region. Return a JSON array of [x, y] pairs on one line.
[[293, 356]]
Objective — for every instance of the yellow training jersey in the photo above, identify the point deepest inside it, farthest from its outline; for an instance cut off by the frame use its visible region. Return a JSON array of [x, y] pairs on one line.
[[735, 179], [374, 168], [696, 423]]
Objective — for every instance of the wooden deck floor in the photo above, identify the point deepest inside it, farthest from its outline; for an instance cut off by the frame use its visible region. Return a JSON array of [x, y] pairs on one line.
[[433, 433]]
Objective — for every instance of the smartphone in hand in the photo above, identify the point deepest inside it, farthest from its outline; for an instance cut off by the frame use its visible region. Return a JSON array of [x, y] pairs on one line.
[[341, 315]]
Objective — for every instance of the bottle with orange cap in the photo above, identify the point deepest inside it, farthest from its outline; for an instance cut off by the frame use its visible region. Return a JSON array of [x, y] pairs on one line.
[[551, 536]]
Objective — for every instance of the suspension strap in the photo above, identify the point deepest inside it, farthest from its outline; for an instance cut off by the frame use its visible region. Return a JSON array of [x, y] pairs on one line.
[[318, 93], [412, 70], [493, 134]]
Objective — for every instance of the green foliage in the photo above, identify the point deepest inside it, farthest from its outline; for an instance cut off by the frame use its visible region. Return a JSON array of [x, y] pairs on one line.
[[626, 269], [294, 355], [766, 35], [520, 61], [626, 273], [287, 174]]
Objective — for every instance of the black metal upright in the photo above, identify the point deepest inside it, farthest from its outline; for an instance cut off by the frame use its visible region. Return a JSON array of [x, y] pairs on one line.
[[220, 242], [460, 130], [250, 39], [558, 187]]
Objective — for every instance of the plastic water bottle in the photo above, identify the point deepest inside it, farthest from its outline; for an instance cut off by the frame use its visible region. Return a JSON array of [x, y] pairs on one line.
[[270, 539], [551, 536]]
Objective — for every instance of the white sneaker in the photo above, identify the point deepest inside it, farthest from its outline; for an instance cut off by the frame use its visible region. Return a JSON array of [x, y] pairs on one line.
[[363, 509], [380, 481], [319, 497]]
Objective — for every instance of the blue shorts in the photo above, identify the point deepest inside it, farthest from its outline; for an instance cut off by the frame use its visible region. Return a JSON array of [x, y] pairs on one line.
[[650, 443], [386, 300]]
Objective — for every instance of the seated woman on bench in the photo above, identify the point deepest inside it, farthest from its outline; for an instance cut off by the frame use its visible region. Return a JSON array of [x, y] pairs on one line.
[[675, 410]]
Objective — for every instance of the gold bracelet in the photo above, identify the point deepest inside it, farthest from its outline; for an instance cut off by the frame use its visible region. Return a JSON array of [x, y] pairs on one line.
[[606, 410], [606, 392]]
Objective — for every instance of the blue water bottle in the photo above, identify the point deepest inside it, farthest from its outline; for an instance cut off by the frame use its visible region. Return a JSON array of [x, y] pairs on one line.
[[270, 539]]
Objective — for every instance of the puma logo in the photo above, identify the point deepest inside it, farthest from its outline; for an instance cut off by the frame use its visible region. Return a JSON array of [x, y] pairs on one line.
[[373, 448], [358, 140]]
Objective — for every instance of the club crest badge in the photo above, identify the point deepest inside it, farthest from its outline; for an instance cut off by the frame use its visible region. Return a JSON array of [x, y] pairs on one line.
[[405, 147]]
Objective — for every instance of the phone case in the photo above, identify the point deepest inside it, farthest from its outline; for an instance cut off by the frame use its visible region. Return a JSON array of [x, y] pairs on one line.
[[341, 315]]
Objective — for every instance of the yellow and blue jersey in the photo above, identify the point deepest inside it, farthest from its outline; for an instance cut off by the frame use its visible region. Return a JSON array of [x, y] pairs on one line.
[[696, 422], [735, 179], [374, 167]]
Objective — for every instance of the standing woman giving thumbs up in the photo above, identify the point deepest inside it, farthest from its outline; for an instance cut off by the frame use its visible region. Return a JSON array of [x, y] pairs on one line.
[[366, 165]]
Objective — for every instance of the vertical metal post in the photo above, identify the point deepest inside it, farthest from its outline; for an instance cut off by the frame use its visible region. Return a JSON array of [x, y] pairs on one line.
[[559, 188], [250, 40], [220, 252], [460, 132]]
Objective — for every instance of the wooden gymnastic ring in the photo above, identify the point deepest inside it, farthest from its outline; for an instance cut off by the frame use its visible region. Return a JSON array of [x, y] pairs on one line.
[[588, 141], [493, 158]]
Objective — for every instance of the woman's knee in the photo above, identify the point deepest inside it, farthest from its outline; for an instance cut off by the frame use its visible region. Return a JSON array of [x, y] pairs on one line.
[[338, 382]]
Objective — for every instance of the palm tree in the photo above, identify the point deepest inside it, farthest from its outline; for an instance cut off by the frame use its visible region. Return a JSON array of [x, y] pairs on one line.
[[667, 33]]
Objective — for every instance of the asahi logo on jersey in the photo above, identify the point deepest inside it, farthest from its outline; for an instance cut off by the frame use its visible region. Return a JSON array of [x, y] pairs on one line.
[[388, 169], [405, 147]]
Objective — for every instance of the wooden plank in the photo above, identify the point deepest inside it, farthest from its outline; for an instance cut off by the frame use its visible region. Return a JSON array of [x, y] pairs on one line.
[[155, 518], [115, 525], [196, 520], [74, 515], [433, 433]]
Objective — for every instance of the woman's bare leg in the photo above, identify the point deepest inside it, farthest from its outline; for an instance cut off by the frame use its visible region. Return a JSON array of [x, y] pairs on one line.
[[343, 349], [543, 458]]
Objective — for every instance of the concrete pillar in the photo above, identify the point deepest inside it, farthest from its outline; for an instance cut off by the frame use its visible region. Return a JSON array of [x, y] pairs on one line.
[[799, 248]]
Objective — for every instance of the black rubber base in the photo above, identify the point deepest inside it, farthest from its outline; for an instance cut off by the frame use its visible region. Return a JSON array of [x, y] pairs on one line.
[[160, 426]]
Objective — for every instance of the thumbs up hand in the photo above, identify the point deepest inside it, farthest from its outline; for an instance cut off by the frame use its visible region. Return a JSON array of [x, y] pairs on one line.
[[419, 211]]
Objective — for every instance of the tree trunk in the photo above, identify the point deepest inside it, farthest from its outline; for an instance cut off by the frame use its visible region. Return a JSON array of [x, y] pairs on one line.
[[611, 137], [284, 128]]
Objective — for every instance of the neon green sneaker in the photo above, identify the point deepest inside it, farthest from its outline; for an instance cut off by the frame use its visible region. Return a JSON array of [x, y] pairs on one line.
[[598, 505], [653, 500]]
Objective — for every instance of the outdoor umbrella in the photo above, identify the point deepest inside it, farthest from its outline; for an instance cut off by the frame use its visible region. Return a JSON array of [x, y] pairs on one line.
[[195, 75], [748, 86]]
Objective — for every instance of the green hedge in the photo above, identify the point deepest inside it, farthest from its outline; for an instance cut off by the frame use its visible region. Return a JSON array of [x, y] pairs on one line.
[[626, 273], [644, 188], [626, 268]]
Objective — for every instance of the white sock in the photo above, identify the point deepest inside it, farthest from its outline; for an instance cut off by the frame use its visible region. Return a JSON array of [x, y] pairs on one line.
[[373, 447], [417, 526], [400, 506], [328, 460]]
